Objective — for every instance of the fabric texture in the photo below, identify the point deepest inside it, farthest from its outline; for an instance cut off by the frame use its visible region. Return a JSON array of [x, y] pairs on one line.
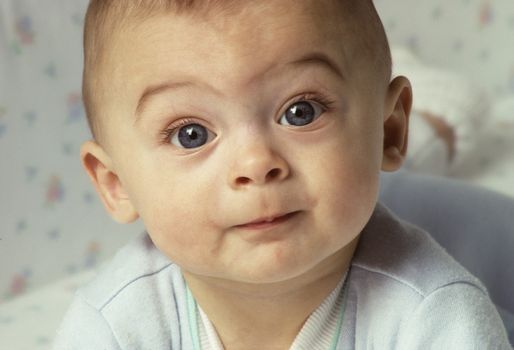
[[474, 224], [404, 292], [445, 94]]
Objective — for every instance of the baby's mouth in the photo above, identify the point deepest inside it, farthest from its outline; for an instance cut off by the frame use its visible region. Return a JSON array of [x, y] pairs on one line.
[[269, 221]]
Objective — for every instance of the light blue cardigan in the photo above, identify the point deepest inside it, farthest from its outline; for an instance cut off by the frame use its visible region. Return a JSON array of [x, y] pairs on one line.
[[475, 225]]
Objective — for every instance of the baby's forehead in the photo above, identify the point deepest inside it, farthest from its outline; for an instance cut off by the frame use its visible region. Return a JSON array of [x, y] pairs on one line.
[[313, 25], [253, 30], [226, 48], [226, 10]]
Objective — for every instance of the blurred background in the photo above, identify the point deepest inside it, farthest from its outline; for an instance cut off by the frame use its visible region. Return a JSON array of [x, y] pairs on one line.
[[53, 229]]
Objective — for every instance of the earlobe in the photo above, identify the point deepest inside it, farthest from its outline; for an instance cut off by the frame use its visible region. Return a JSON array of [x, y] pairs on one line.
[[98, 166], [396, 123]]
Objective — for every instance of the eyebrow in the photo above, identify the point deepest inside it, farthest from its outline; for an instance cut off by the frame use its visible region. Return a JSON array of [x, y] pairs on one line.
[[319, 58], [312, 58]]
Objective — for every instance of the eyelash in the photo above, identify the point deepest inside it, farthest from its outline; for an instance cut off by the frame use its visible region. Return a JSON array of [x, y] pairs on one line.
[[325, 102], [166, 134]]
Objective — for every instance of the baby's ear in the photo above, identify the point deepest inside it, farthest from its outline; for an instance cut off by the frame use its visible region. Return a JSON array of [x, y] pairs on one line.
[[98, 166], [396, 123]]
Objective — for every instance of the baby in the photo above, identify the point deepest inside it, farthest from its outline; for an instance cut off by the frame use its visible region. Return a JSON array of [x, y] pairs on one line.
[[249, 137]]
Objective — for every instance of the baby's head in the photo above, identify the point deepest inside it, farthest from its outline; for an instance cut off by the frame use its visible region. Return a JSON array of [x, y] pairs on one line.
[[247, 135]]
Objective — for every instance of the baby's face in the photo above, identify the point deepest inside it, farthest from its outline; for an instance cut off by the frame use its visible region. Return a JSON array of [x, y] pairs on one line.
[[249, 145]]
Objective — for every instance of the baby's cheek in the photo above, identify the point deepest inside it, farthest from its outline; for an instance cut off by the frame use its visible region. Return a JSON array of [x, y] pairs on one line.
[[169, 225], [348, 204]]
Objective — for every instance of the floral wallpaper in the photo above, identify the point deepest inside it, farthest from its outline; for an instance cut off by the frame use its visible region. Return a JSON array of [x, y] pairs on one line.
[[51, 222], [473, 37]]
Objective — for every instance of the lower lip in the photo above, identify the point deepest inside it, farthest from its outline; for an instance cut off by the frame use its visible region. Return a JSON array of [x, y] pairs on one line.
[[265, 225]]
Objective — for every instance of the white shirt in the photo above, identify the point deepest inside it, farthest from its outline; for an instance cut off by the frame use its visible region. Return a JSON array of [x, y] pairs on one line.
[[320, 331]]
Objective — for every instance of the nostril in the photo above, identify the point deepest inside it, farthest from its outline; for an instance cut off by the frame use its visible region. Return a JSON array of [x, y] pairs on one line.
[[273, 174], [243, 180]]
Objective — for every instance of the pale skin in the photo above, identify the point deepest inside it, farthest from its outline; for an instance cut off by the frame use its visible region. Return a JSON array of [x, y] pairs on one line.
[[194, 202]]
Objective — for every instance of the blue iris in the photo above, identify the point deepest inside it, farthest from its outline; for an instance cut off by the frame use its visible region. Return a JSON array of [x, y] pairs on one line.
[[300, 113], [193, 135]]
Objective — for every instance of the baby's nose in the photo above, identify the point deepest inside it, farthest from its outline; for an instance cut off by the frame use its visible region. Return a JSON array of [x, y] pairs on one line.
[[257, 164]]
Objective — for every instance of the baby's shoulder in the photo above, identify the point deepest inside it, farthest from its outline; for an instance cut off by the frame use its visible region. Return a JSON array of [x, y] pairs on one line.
[[137, 266], [140, 297], [400, 253]]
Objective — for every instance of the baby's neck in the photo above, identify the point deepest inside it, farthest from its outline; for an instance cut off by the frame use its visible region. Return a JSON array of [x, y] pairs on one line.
[[269, 316]]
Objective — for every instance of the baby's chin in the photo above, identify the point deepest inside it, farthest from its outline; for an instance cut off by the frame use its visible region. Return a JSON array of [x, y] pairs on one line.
[[261, 275], [268, 275]]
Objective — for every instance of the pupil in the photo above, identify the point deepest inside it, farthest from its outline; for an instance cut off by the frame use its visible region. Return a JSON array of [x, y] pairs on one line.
[[192, 134]]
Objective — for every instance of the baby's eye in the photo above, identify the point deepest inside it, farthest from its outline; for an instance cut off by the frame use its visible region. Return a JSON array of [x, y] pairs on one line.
[[191, 136], [301, 113]]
